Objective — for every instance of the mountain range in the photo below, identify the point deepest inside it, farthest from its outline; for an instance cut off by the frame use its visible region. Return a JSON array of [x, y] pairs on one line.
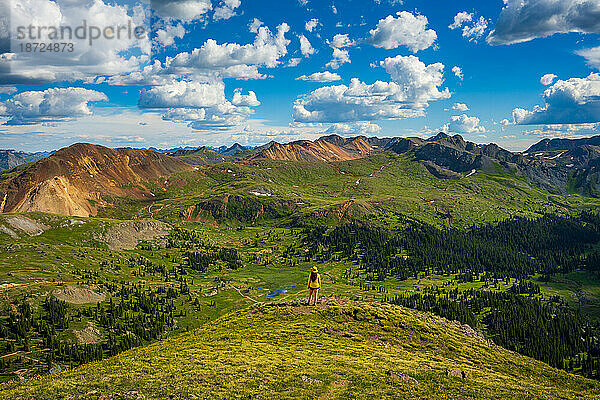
[[11, 158], [80, 178]]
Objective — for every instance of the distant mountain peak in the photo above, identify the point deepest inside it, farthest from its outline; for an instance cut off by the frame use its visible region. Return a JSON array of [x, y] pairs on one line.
[[439, 136]]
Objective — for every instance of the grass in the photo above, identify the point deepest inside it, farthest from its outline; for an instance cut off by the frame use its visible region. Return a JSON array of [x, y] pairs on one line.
[[336, 351], [377, 185]]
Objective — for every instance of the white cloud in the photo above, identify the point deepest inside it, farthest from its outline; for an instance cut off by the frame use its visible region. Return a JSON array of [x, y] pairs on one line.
[[460, 19], [305, 47], [183, 94], [406, 30], [475, 31], [339, 57], [565, 130], [320, 77], [460, 107], [254, 25], [50, 105], [573, 101], [413, 86], [458, 72], [166, 35], [249, 99], [465, 124], [201, 105], [226, 9], [311, 25], [266, 50], [547, 79], [7, 89], [293, 62], [185, 10], [340, 41], [525, 20], [227, 60], [353, 129], [592, 56], [103, 56]]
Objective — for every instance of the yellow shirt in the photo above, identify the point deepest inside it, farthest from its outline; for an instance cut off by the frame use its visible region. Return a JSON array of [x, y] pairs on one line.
[[316, 284]]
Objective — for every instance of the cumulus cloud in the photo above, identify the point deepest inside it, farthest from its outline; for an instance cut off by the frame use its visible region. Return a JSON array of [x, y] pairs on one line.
[[413, 86], [592, 56], [565, 130], [461, 18], [340, 54], [7, 89], [226, 9], [339, 57], [185, 10], [311, 24], [320, 77], [340, 41], [50, 105], [352, 129], [183, 94], [460, 107], [201, 105], [573, 101], [102, 57], [293, 62], [266, 50], [547, 79], [458, 72], [226, 60], [249, 99], [254, 25], [465, 124], [405, 30], [475, 31], [167, 34], [305, 47], [525, 20], [472, 29]]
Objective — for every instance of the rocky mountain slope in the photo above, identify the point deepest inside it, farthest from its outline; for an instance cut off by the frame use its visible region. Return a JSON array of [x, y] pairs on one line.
[[337, 350], [563, 144], [327, 148], [80, 178]]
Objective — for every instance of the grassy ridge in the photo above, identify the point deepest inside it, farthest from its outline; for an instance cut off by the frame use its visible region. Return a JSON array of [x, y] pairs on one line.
[[338, 350], [379, 185]]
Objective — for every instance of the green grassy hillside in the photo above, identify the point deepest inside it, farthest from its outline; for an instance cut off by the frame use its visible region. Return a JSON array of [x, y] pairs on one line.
[[338, 350], [376, 186]]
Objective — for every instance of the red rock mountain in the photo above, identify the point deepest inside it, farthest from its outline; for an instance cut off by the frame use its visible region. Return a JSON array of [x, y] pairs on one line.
[[80, 178], [327, 148]]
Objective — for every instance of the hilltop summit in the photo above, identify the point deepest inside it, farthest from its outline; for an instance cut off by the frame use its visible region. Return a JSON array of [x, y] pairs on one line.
[[76, 180], [339, 349]]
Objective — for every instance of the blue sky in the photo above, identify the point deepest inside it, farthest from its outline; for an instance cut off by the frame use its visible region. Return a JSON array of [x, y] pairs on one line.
[[215, 72]]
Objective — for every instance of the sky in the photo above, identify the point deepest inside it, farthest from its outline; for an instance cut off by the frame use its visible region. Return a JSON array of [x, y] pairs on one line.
[[171, 73]]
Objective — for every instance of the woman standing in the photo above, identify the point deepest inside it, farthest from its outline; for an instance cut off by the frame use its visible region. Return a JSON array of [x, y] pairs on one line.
[[314, 284]]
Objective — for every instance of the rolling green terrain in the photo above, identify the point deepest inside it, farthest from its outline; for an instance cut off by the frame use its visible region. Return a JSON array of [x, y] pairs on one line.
[[338, 350], [245, 233]]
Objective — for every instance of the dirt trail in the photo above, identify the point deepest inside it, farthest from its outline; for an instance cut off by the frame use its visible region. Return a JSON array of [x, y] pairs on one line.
[[245, 296]]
